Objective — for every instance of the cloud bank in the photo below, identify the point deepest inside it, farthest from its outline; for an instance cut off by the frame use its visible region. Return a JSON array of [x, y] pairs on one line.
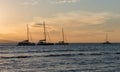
[[76, 19], [66, 1], [35, 2], [30, 2]]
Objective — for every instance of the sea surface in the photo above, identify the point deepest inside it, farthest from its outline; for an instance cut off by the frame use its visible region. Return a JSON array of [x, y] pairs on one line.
[[61, 58]]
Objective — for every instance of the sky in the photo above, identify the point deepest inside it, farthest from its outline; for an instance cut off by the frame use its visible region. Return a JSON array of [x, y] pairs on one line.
[[82, 20]]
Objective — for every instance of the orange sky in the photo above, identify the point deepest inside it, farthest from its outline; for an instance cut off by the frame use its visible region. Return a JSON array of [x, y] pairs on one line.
[[80, 22]]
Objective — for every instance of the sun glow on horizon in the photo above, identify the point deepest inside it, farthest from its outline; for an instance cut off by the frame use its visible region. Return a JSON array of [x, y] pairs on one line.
[[80, 22]]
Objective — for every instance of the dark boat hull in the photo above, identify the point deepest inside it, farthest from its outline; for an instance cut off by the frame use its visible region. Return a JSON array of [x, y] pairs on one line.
[[45, 44], [62, 44], [107, 42], [26, 44]]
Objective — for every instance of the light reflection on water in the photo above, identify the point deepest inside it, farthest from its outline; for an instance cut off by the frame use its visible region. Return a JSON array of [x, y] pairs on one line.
[[71, 58]]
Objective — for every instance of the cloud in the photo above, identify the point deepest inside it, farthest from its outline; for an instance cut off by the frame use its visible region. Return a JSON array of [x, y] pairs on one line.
[[37, 25], [66, 1], [35, 2], [31, 2], [76, 19], [40, 26]]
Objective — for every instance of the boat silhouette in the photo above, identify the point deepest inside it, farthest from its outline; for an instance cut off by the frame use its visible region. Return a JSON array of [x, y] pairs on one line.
[[44, 41], [106, 40], [63, 39], [26, 42]]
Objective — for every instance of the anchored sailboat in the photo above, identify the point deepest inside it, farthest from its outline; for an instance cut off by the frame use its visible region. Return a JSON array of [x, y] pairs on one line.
[[63, 39], [26, 42], [106, 38], [44, 41]]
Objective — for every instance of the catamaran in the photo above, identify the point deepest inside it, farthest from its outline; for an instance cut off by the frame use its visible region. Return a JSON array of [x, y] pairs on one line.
[[63, 39], [107, 41], [26, 42], [44, 41]]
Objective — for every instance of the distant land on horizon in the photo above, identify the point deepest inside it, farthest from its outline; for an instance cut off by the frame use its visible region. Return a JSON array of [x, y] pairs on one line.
[[7, 41], [3, 41]]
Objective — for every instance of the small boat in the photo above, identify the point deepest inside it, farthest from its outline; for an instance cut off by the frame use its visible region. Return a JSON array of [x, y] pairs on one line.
[[106, 42], [62, 43], [26, 42], [63, 39], [44, 41]]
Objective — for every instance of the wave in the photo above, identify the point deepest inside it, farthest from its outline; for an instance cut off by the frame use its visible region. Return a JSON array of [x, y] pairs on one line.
[[61, 55], [58, 55], [117, 53], [96, 54], [79, 54], [16, 57]]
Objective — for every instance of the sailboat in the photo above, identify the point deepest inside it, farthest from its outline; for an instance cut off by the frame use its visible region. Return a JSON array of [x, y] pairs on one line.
[[44, 41], [63, 39], [26, 42], [107, 42]]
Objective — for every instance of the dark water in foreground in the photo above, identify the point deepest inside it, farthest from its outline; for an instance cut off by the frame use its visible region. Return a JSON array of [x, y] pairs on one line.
[[69, 58]]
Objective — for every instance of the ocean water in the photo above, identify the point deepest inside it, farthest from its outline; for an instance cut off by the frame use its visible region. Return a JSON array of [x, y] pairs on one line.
[[60, 58]]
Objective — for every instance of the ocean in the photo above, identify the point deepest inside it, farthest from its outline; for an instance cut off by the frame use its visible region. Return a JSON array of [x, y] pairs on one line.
[[61, 58]]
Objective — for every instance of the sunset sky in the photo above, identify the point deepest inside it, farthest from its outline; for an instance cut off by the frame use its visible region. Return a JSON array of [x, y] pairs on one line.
[[82, 20]]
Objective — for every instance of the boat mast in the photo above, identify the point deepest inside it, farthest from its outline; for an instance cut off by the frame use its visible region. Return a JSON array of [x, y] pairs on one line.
[[27, 32], [106, 37], [63, 37], [44, 30]]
